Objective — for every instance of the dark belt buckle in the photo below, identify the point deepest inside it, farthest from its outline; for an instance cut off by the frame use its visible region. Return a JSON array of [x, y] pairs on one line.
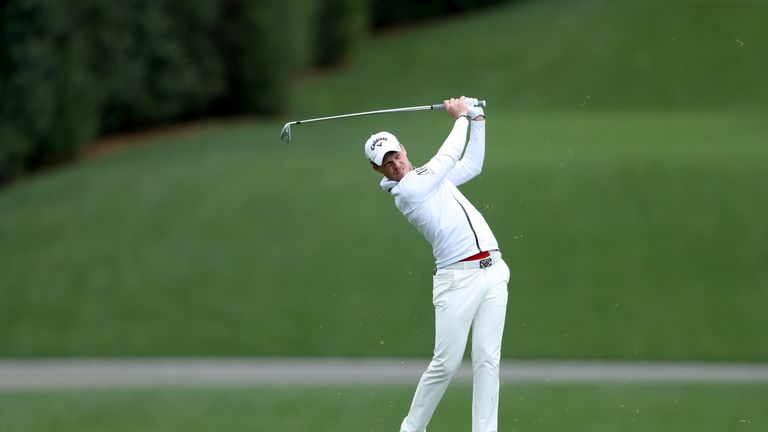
[[486, 262]]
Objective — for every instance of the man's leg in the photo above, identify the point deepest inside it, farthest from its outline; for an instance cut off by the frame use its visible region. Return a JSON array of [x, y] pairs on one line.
[[455, 305], [487, 331]]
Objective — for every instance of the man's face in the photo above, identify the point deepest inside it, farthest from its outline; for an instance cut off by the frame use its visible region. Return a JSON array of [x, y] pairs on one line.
[[395, 165]]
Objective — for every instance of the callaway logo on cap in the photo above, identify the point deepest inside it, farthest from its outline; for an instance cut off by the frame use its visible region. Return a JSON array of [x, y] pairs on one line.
[[379, 144]]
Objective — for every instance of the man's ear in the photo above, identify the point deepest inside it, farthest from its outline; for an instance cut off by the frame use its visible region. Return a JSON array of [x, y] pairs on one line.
[[375, 168]]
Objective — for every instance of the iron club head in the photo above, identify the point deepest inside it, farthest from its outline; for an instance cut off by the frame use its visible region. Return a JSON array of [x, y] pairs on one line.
[[285, 134]]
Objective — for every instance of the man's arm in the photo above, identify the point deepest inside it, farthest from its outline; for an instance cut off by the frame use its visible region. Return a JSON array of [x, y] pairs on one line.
[[472, 163], [429, 176]]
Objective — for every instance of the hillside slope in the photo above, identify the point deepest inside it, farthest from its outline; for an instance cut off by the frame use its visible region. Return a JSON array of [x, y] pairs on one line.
[[559, 54]]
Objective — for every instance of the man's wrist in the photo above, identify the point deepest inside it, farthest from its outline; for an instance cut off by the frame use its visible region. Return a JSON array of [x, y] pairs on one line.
[[464, 115], [481, 117]]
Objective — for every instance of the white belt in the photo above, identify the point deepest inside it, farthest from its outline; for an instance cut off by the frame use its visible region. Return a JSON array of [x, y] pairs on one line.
[[476, 264]]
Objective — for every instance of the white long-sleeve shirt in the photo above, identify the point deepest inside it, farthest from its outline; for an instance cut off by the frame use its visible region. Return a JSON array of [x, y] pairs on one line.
[[429, 198]]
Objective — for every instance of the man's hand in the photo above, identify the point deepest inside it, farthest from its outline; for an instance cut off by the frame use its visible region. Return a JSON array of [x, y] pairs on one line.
[[456, 107], [475, 111]]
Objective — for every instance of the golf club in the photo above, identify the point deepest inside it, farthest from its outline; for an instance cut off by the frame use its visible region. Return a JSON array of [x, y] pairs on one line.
[[285, 134]]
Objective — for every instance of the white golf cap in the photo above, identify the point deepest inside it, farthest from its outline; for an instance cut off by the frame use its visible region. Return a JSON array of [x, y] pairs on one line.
[[379, 144]]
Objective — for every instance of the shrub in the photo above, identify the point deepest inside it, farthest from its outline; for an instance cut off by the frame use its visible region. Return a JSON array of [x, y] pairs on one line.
[[48, 107], [341, 26]]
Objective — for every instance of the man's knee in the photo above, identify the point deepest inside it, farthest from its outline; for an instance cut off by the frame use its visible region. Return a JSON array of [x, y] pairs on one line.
[[445, 367]]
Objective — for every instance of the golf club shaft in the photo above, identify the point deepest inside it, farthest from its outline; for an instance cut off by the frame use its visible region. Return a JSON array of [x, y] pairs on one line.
[[384, 111]]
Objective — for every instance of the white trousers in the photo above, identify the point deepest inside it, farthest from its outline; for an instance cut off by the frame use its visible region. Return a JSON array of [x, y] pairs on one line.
[[464, 299]]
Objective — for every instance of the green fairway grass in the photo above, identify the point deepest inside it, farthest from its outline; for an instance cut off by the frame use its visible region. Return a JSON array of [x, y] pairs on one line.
[[625, 180], [629, 236], [522, 408]]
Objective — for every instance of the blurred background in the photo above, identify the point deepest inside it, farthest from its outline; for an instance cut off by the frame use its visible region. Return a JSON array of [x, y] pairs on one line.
[[148, 208]]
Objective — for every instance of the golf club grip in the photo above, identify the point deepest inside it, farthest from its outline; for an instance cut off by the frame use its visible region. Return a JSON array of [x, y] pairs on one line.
[[480, 103]]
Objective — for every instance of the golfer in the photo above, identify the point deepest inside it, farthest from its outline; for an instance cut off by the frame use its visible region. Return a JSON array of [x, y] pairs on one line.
[[469, 288]]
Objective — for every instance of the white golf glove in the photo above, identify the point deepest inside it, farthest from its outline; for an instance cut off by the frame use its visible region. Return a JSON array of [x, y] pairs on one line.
[[473, 110]]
